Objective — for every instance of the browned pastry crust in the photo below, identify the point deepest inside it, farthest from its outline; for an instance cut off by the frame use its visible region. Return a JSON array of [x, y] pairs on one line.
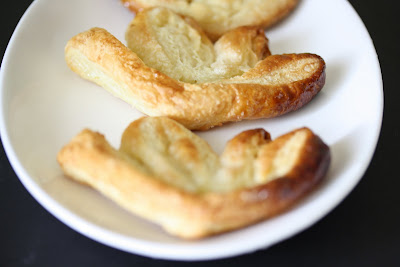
[[246, 82], [167, 174], [218, 17]]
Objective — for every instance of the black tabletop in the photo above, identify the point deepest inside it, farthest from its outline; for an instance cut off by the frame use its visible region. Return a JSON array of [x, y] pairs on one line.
[[364, 230]]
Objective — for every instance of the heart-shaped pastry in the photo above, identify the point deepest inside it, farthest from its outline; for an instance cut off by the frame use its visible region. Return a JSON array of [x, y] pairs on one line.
[[218, 17], [170, 176], [172, 69]]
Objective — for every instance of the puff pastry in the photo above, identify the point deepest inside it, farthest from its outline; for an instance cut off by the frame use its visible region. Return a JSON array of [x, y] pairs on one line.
[[180, 74], [218, 17], [170, 176]]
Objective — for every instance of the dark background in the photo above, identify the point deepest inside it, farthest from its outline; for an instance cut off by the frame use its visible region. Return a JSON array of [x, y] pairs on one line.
[[364, 230]]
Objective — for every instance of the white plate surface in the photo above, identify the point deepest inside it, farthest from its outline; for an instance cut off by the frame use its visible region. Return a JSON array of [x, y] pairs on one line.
[[44, 104]]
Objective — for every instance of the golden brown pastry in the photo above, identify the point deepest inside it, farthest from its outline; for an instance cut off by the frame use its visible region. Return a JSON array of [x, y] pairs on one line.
[[172, 69], [168, 175], [218, 17]]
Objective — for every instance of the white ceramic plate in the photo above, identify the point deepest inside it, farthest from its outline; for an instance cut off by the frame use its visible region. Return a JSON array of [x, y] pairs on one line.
[[44, 104]]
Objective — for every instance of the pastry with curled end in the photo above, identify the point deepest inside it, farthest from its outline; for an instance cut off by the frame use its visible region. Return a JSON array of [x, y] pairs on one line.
[[172, 69], [220, 16], [165, 173]]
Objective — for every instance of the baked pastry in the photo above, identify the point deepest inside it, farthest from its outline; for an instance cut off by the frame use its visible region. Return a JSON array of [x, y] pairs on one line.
[[180, 74], [170, 176], [218, 17]]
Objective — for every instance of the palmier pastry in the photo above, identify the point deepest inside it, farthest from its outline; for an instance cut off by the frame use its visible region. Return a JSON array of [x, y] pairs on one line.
[[220, 16], [170, 176], [172, 69]]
